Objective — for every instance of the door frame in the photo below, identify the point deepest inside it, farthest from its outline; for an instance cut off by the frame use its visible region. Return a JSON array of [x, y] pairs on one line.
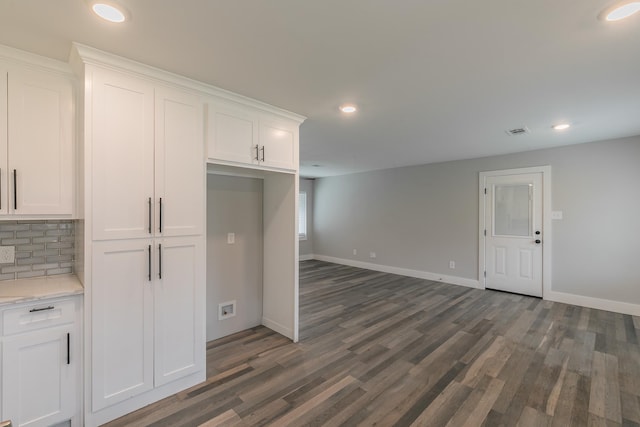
[[546, 221]]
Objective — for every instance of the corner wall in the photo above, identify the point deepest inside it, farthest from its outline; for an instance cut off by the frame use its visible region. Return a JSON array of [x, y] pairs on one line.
[[418, 218]]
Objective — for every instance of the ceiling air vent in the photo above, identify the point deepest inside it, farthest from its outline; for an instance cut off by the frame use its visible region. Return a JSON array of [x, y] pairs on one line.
[[518, 131]]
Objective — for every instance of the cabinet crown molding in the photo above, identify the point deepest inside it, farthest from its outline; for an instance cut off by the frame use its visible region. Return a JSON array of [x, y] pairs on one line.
[[82, 54], [31, 60]]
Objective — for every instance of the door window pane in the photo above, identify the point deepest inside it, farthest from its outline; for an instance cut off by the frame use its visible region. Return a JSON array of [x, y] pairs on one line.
[[302, 215], [512, 210]]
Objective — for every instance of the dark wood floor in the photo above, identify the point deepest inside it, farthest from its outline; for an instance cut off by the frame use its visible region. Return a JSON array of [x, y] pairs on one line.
[[386, 350]]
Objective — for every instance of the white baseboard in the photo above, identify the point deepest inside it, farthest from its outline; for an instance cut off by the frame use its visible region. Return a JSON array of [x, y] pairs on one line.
[[590, 302], [306, 257], [454, 280], [573, 299], [277, 327]]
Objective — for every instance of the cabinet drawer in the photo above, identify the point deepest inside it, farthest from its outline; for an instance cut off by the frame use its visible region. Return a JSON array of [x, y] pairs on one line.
[[44, 314]]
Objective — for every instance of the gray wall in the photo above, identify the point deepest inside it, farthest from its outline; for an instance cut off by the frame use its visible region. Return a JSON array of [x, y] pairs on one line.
[[421, 217], [234, 271], [306, 246]]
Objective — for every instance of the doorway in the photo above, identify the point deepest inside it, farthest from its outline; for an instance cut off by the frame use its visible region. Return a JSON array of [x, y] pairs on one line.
[[515, 230]]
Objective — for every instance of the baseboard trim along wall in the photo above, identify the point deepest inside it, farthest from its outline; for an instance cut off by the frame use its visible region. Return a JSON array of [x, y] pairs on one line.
[[277, 327], [454, 280], [597, 303], [562, 297], [307, 257]]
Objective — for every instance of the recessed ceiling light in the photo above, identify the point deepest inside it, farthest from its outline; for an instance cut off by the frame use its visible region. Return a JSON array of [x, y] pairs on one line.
[[348, 108], [621, 10], [109, 11], [561, 126]]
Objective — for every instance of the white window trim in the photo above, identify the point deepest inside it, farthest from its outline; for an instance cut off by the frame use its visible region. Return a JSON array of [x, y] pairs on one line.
[[302, 220]]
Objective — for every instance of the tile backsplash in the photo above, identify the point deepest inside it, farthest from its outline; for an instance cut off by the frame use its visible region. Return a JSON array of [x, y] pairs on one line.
[[43, 248]]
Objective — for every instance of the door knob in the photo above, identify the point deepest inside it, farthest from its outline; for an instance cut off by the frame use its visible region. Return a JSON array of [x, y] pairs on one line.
[[538, 241], [538, 232]]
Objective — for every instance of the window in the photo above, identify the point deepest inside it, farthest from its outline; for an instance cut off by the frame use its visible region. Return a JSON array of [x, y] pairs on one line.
[[302, 215]]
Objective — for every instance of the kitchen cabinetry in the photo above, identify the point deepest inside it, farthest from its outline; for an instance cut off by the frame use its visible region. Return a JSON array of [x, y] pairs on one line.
[[122, 321], [36, 151], [41, 362], [243, 135], [147, 328], [139, 129], [144, 244], [143, 196]]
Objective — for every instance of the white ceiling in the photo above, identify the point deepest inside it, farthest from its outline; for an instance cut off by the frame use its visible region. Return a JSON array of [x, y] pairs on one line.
[[435, 80]]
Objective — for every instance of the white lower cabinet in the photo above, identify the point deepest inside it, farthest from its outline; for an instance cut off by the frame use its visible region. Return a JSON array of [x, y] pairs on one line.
[[122, 321], [41, 363], [148, 315], [179, 308]]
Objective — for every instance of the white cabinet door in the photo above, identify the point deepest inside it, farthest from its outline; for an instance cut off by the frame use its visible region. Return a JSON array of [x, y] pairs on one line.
[[40, 143], [39, 377], [122, 144], [232, 134], [4, 187], [179, 308], [180, 164], [122, 321], [242, 135], [278, 145]]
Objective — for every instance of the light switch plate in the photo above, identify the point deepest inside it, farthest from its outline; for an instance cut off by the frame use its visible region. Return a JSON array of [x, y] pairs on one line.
[[231, 238], [556, 215], [7, 254]]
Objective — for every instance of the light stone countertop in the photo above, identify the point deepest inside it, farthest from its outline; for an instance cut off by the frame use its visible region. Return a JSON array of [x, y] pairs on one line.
[[37, 288]]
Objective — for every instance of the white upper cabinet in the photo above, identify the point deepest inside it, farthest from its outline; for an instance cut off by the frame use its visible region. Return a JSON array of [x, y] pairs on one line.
[[243, 135], [148, 159], [278, 144], [4, 186], [122, 156], [232, 134], [179, 164], [36, 148]]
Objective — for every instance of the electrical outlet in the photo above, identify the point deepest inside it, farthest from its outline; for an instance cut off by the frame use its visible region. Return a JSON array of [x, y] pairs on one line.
[[355, 252], [7, 254], [231, 238], [372, 254], [452, 264]]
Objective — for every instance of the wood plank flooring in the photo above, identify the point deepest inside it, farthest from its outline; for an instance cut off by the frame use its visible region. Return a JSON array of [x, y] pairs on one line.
[[386, 350]]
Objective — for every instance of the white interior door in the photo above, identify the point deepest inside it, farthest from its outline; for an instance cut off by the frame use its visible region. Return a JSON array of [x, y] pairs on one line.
[[514, 235]]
